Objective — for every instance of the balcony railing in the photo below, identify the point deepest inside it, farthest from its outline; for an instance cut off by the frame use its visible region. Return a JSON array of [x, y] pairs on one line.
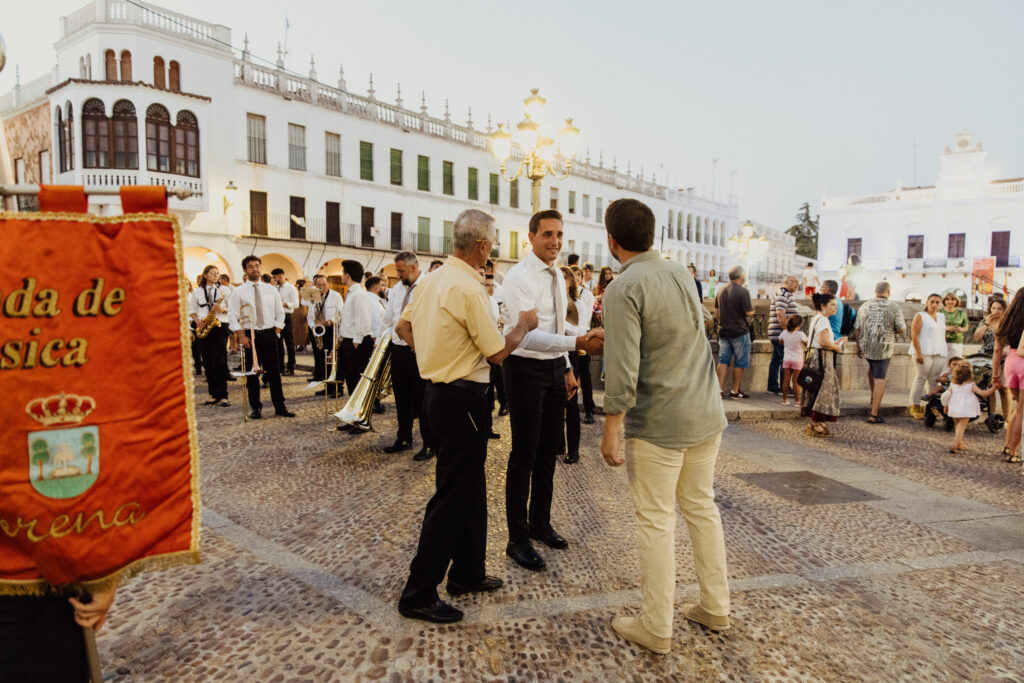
[[315, 230]]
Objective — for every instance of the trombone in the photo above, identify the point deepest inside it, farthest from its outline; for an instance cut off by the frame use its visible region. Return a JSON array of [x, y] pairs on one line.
[[375, 382], [330, 384], [256, 369]]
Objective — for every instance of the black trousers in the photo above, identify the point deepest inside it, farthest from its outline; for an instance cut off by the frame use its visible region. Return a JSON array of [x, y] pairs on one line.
[[214, 351], [496, 389], [287, 345], [40, 641], [455, 523], [197, 361], [354, 360], [586, 383], [266, 344], [409, 390], [572, 413], [321, 347], [536, 403]]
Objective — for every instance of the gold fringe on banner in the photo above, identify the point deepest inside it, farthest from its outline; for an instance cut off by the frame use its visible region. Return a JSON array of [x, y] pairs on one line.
[[39, 587]]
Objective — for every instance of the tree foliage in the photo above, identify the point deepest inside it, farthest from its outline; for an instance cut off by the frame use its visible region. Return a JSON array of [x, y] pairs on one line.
[[806, 232]]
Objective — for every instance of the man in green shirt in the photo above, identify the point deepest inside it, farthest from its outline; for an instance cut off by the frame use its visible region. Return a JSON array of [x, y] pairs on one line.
[[660, 381]]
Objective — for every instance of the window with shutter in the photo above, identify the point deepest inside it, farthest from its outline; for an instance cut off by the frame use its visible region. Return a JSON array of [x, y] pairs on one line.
[[423, 173], [448, 177], [365, 160], [473, 190], [396, 167]]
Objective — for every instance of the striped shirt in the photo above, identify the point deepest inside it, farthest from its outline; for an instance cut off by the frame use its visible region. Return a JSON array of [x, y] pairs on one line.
[[784, 302]]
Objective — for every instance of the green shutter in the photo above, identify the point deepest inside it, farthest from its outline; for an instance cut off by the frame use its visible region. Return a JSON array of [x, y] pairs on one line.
[[513, 193], [423, 173], [449, 229], [448, 169], [572, 201], [513, 245], [423, 235], [396, 167], [494, 188], [474, 192], [365, 160]]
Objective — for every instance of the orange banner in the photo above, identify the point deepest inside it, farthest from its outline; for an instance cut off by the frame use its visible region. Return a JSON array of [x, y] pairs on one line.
[[98, 452], [983, 273]]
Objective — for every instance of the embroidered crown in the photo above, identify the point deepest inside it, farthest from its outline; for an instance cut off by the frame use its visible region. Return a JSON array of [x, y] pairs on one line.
[[59, 410]]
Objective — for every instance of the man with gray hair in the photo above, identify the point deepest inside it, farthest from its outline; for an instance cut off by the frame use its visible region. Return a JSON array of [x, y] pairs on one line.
[[878, 321], [449, 327], [733, 310], [405, 376]]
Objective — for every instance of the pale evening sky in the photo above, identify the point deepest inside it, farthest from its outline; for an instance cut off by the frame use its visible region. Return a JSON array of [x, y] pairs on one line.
[[794, 95]]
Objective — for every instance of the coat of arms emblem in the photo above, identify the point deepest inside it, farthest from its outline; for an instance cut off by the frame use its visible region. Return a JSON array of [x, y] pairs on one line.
[[63, 462]]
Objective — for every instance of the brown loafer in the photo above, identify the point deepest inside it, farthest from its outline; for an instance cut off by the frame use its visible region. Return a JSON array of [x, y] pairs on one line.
[[695, 612], [634, 631]]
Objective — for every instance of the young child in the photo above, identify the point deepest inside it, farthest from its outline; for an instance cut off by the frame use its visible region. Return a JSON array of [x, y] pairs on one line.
[[794, 341], [943, 380], [963, 403]]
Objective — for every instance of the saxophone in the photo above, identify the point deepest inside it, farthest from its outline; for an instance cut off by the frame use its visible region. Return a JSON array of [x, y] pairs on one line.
[[207, 324]]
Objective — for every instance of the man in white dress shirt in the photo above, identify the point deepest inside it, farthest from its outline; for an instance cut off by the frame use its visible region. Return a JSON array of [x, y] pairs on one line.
[[290, 301], [264, 315], [406, 382], [356, 324], [325, 310], [538, 381]]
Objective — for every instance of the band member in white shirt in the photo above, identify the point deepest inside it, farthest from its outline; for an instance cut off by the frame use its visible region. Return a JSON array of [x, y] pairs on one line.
[[496, 389], [265, 316], [585, 307], [406, 382], [356, 324], [290, 301], [323, 312], [213, 347], [538, 381]]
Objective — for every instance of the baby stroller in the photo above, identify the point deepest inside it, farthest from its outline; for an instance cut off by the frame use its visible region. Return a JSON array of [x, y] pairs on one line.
[[982, 367]]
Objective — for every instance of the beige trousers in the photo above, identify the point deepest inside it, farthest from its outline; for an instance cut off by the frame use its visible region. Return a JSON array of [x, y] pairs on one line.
[[658, 478]]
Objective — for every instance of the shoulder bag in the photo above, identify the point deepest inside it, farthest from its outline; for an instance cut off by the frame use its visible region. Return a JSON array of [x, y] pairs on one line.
[[809, 379]]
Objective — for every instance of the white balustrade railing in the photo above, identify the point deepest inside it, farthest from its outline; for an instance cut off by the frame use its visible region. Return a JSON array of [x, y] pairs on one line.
[[364, 107], [159, 18], [1005, 188]]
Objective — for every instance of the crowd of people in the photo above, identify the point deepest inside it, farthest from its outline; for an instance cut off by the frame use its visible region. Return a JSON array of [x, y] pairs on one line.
[[466, 341]]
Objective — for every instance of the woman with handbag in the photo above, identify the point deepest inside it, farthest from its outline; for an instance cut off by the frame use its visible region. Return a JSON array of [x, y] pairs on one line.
[[818, 379]]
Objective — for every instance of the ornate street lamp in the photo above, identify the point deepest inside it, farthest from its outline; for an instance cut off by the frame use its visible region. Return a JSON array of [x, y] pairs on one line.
[[539, 152], [746, 245]]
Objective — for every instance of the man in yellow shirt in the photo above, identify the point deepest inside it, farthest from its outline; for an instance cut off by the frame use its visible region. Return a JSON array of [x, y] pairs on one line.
[[449, 326]]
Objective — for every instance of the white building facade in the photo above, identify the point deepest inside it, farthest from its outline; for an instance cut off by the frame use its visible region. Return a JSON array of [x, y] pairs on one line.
[[300, 172], [926, 239]]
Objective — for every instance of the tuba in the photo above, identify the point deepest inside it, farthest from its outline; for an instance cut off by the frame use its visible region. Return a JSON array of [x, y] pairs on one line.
[[374, 382]]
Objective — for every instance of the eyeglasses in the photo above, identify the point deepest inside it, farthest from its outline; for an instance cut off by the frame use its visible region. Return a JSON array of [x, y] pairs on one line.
[[494, 243]]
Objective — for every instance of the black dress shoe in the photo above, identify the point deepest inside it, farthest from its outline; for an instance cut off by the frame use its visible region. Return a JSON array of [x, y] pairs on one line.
[[588, 419], [525, 556], [256, 414], [232, 379], [494, 435], [489, 583], [503, 410], [439, 612], [398, 446], [572, 459], [424, 454], [346, 427], [284, 413], [550, 538], [378, 409]]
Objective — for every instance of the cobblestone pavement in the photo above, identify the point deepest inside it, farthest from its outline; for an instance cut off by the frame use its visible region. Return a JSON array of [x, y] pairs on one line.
[[308, 535]]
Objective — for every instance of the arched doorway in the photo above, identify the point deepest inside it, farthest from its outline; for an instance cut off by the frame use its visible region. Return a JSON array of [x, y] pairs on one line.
[[291, 269], [197, 258]]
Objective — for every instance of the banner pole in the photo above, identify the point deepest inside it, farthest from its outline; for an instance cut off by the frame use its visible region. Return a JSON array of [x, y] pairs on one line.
[[92, 655], [8, 190]]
